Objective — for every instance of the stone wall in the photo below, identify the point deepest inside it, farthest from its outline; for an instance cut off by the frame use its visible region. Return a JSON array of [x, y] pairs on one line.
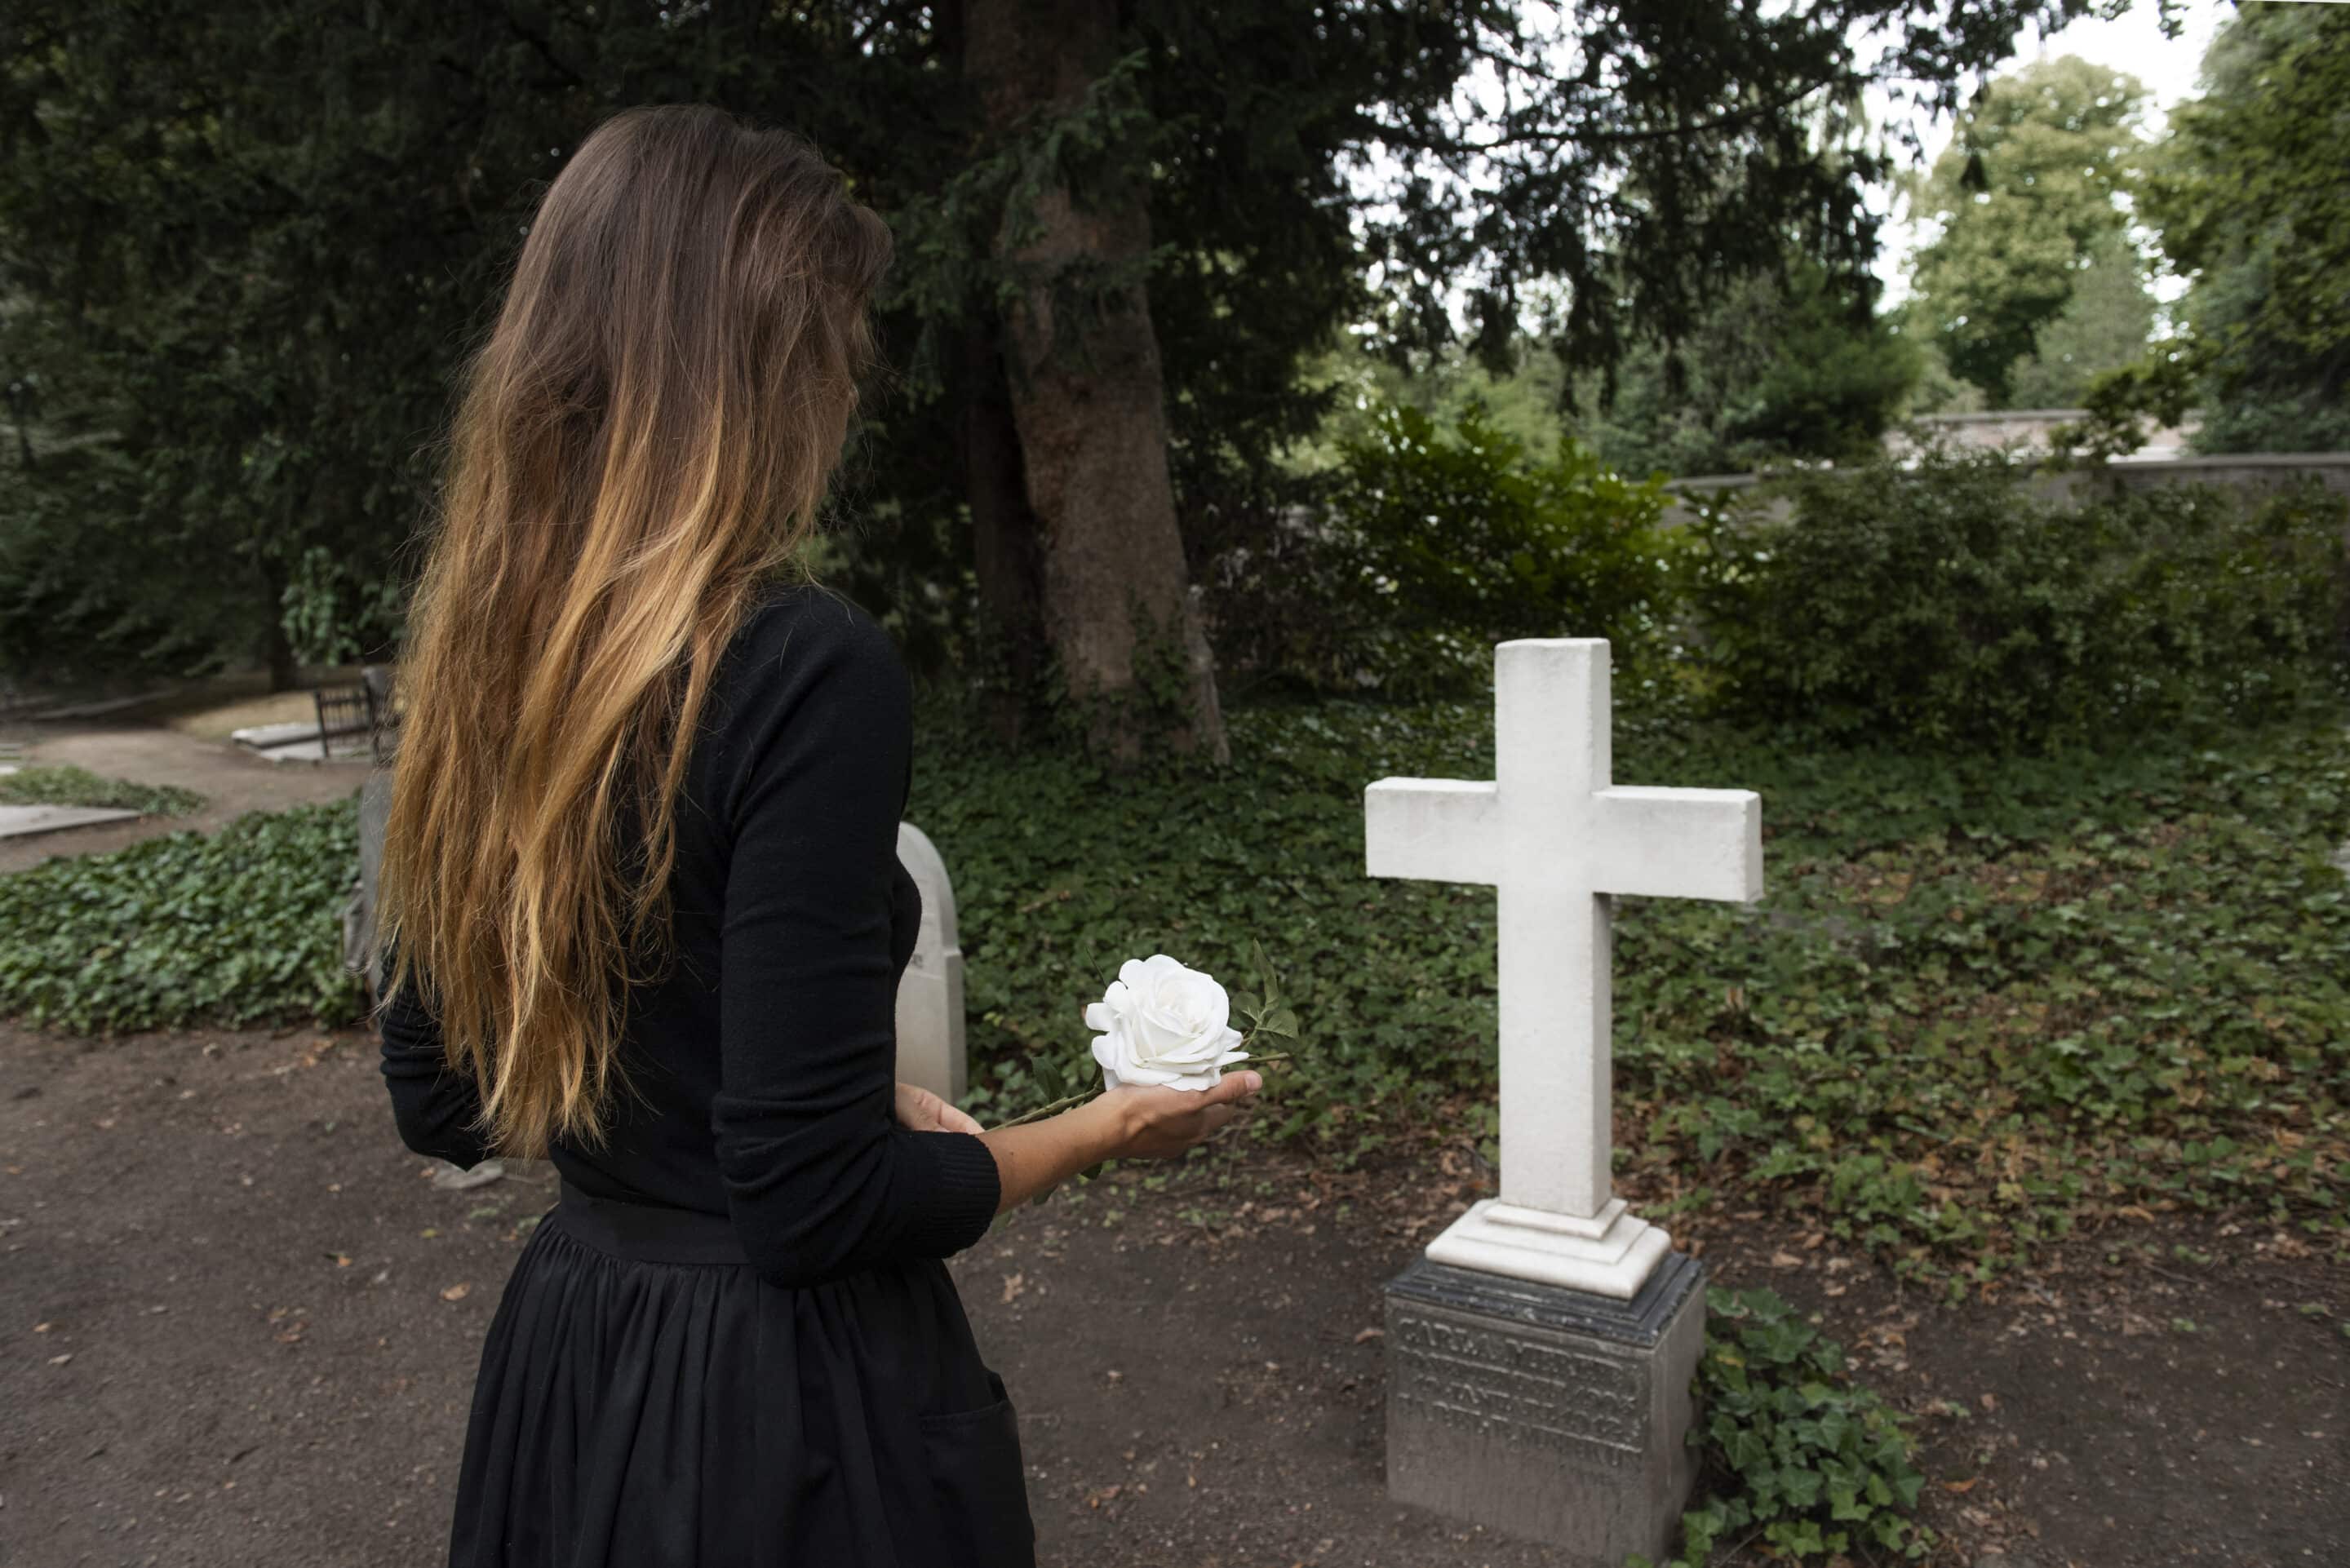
[[2035, 427], [2250, 474]]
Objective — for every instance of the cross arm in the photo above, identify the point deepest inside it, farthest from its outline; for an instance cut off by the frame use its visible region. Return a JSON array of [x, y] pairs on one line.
[[1680, 843], [1438, 830]]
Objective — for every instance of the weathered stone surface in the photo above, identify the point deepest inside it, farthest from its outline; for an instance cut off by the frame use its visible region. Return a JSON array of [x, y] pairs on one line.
[[20, 821], [1552, 1414], [931, 1043], [359, 915]]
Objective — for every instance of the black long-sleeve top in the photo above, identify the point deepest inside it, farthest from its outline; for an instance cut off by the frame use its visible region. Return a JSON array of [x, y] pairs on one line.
[[763, 1065]]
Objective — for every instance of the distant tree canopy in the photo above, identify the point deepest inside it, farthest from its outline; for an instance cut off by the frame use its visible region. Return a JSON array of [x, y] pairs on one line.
[[1781, 367], [2107, 323], [2253, 201], [243, 244], [2027, 197]]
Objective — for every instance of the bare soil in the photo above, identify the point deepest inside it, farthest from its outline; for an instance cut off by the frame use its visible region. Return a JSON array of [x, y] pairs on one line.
[[239, 1325]]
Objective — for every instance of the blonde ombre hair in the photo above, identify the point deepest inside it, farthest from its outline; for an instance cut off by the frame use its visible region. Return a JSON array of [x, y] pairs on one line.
[[645, 439]]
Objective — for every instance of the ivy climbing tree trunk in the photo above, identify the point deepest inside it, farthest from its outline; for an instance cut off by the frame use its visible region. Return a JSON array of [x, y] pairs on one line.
[[1083, 379]]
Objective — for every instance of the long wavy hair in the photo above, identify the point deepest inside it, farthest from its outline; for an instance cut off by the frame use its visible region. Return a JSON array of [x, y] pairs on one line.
[[644, 439]]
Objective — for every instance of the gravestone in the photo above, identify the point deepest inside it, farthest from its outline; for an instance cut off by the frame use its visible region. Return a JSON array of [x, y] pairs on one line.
[[24, 821], [930, 996], [1540, 1353], [359, 912]]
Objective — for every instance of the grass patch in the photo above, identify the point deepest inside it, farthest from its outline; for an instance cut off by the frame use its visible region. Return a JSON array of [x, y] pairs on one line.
[[231, 927], [69, 786], [1985, 1000]]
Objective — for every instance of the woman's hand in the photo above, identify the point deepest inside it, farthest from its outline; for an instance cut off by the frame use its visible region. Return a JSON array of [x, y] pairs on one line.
[[1129, 1123], [1152, 1123], [925, 1112]]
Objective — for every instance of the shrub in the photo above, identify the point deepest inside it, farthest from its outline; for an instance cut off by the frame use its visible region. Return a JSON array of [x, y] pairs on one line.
[[1436, 543], [1946, 604], [1815, 1465]]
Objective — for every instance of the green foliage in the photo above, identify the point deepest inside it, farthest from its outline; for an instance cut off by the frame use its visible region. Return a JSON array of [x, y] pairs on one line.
[[1439, 542], [2251, 207], [245, 246], [79, 786], [1778, 367], [2102, 327], [88, 586], [1945, 605], [232, 926], [2247, 198], [1987, 999], [2025, 194], [1800, 1457]]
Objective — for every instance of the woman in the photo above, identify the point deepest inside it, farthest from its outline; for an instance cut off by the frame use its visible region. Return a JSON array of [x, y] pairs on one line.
[[642, 899]]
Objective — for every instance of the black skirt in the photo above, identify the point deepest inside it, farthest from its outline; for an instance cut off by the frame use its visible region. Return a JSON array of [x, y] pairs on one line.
[[648, 1400]]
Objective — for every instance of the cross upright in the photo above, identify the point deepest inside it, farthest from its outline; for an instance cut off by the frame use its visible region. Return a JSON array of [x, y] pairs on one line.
[[1555, 837]]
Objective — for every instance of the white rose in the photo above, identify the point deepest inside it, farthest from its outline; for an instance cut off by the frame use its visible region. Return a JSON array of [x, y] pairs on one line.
[[1162, 1024]]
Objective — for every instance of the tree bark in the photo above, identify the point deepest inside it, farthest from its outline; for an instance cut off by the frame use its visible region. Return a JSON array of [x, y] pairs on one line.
[[1087, 396], [277, 649], [1007, 550]]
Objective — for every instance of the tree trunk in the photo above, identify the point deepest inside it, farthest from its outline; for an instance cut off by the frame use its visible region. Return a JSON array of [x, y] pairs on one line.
[[277, 649], [1007, 551], [284, 670], [1085, 386]]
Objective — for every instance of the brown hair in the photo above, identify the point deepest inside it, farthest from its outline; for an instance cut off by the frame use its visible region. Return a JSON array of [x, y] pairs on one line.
[[646, 437]]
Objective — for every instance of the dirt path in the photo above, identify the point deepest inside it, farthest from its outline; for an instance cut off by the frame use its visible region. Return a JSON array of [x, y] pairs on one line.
[[232, 780], [237, 1327]]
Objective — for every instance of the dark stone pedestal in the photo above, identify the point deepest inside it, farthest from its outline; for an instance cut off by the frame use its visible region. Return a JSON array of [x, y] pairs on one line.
[[1546, 1412]]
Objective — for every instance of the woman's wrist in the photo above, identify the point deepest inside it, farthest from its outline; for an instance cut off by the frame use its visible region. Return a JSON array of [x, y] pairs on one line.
[[1034, 1157], [1101, 1130]]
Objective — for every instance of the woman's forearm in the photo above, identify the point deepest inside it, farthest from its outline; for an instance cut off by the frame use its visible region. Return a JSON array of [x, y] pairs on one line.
[[1035, 1157]]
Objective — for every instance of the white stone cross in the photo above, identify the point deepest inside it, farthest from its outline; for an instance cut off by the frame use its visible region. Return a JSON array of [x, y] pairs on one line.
[[931, 1053], [1556, 837]]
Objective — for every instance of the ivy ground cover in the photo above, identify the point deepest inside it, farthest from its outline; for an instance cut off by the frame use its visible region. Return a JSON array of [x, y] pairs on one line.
[[1984, 998]]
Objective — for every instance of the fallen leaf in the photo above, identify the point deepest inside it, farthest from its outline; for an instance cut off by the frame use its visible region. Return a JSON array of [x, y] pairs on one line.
[[1786, 1260], [1369, 1334], [61, 1360], [1961, 1488], [457, 1292]]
